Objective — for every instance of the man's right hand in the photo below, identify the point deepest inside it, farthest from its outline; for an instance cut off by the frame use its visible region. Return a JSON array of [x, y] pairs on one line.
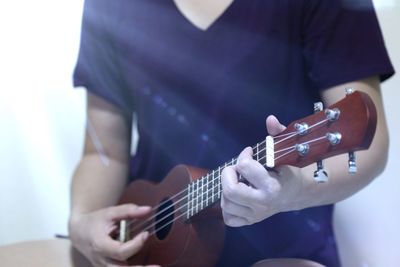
[[91, 235]]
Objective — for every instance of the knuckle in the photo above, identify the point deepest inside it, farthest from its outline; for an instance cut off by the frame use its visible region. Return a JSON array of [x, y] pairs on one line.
[[96, 247], [226, 206], [274, 188], [243, 164], [119, 255], [127, 207], [227, 220], [251, 213], [226, 170], [229, 191], [227, 174], [264, 198]]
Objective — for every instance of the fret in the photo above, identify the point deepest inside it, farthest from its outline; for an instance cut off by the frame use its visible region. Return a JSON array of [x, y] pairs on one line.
[[198, 203], [202, 184], [219, 186], [188, 201], [263, 155], [257, 151], [197, 197], [192, 200], [212, 188], [208, 188]]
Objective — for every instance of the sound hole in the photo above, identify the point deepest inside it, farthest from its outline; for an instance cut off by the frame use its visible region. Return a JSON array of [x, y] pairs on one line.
[[164, 219]]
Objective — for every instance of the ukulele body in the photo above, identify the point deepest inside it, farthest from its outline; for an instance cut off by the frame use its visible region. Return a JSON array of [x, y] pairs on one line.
[[178, 241]]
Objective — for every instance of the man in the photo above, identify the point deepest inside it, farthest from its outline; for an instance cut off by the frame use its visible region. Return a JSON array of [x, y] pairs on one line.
[[208, 74]]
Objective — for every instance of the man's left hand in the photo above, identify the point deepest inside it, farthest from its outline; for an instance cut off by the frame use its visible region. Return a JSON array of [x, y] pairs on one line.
[[267, 193]]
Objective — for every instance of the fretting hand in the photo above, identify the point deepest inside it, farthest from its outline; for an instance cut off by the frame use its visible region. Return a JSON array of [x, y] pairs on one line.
[[268, 192]]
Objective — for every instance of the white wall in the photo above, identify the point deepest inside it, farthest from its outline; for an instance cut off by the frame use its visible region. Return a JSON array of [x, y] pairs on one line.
[[368, 224], [42, 120], [41, 116]]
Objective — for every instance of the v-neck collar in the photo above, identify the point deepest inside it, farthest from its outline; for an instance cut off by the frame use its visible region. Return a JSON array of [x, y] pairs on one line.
[[219, 14]]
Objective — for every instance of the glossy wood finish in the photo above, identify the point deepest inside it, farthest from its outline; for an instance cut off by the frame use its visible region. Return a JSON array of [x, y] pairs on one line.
[[196, 242], [356, 123]]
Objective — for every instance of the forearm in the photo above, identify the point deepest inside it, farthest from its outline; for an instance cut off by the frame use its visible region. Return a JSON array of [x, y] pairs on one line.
[[97, 185], [341, 184], [370, 163]]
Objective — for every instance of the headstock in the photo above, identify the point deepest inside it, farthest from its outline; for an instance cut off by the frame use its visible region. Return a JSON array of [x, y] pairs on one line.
[[346, 126]]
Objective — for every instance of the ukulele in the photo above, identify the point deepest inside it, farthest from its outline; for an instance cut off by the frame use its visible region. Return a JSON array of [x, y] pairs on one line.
[[185, 225]]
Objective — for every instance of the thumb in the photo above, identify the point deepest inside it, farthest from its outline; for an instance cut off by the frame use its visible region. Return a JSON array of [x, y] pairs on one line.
[[274, 127]]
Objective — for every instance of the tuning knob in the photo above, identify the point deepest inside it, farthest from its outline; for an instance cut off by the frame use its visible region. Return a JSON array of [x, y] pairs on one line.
[[349, 90], [318, 106], [320, 175], [334, 138], [352, 163], [332, 114], [301, 128], [303, 149]]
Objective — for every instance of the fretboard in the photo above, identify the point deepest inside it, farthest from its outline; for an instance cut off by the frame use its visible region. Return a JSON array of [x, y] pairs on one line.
[[207, 190]]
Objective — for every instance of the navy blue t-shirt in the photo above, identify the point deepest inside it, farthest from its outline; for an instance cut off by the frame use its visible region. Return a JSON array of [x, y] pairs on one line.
[[202, 96]]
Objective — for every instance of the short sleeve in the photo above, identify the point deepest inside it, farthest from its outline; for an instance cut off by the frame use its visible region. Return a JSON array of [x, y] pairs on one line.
[[342, 42], [97, 67]]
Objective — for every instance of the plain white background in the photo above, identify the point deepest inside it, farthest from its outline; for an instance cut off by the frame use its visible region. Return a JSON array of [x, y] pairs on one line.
[[42, 123]]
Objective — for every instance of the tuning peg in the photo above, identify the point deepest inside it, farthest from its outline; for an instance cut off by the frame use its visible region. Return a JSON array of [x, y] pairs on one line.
[[301, 128], [320, 175], [334, 138], [352, 163], [332, 114], [303, 149], [318, 106], [349, 90]]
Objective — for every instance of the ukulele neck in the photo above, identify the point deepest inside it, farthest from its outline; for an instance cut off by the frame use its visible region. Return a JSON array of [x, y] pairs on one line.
[[207, 190], [344, 127]]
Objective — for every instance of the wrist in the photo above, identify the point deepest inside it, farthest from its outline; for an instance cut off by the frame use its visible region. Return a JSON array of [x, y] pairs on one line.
[[293, 189]]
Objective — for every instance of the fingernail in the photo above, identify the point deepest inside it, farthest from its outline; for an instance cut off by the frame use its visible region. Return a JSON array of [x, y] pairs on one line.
[[144, 208], [145, 235]]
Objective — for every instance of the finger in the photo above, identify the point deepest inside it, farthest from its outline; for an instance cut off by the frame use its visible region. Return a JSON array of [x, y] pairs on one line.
[[133, 246], [235, 191], [244, 159], [246, 153], [274, 127], [126, 211], [236, 209], [258, 176], [252, 171], [234, 221], [121, 251]]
